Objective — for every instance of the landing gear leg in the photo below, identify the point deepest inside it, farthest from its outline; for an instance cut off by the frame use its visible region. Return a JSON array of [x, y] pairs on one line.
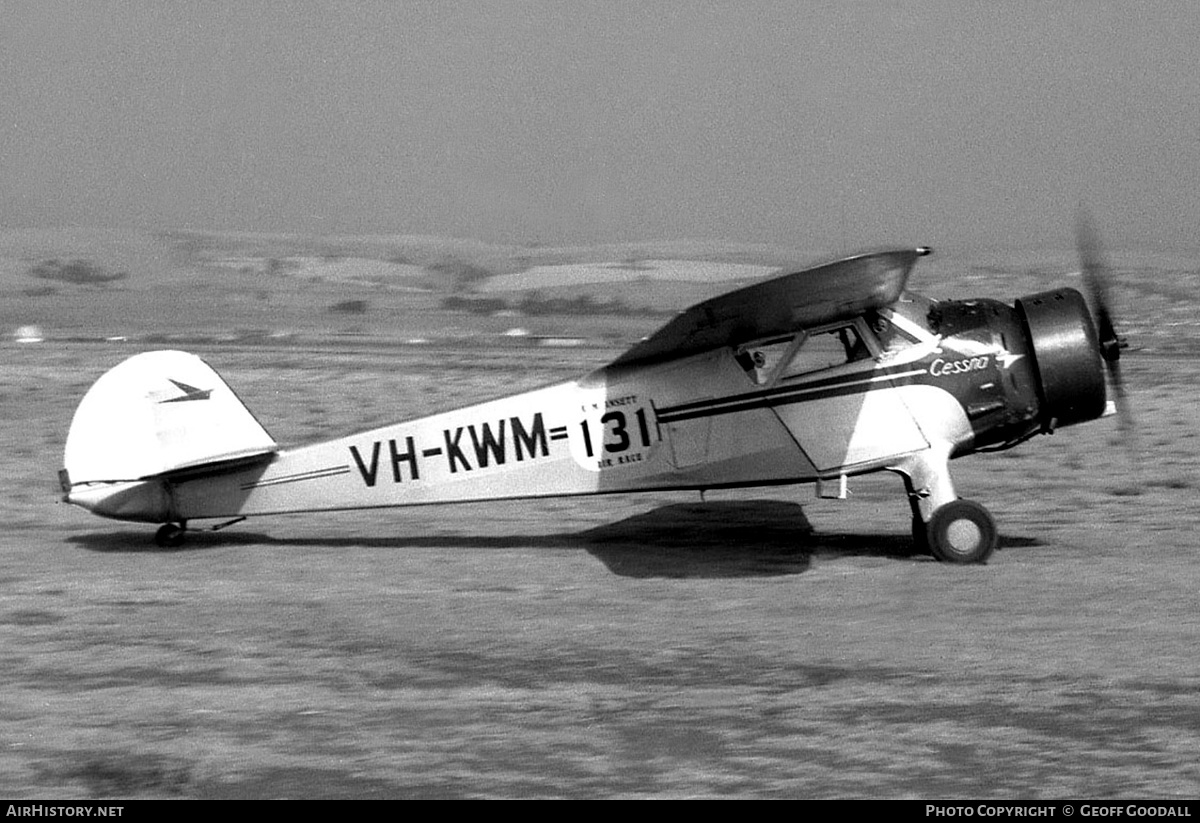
[[170, 535], [951, 529], [920, 531]]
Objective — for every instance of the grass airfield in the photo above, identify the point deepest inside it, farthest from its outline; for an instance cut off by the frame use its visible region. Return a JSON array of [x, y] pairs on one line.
[[759, 644]]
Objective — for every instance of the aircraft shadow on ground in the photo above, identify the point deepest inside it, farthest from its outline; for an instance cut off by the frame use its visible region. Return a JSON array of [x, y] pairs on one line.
[[755, 538]]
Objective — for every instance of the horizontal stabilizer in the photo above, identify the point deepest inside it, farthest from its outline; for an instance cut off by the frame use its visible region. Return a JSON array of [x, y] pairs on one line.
[[159, 412]]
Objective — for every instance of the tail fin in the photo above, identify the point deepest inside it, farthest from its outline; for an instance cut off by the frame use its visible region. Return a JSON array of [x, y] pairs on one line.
[[159, 412]]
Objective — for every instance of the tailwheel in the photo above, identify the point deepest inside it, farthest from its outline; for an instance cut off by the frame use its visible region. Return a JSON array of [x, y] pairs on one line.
[[170, 535], [962, 531]]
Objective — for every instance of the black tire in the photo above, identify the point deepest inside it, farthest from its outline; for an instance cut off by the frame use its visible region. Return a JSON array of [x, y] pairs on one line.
[[962, 531], [169, 536]]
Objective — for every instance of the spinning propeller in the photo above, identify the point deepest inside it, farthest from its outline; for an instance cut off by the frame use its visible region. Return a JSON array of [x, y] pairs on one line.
[[1097, 281]]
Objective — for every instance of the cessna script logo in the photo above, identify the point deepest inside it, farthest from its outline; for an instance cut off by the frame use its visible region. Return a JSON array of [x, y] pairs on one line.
[[944, 368]]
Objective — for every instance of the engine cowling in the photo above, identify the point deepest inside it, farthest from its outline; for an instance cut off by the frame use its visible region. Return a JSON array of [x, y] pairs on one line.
[[1066, 355]]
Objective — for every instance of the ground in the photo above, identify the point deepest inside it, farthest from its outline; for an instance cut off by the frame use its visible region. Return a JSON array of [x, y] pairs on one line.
[[758, 644]]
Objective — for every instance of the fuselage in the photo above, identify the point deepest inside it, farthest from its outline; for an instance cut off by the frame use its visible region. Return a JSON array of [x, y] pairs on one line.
[[850, 397], [854, 395]]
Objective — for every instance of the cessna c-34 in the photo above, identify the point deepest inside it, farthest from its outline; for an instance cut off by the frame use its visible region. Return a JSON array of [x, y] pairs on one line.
[[802, 377]]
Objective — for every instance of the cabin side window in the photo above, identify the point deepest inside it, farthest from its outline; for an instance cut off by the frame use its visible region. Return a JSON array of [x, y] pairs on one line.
[[872, 337], [827, 348], [891, 338], [760, 360]]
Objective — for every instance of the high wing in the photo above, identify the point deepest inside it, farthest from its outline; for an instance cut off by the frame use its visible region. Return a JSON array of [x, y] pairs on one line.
[[779, 304]]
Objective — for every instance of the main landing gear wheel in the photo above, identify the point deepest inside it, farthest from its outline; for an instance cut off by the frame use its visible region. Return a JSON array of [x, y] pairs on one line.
[[170, 535], [962, 531]]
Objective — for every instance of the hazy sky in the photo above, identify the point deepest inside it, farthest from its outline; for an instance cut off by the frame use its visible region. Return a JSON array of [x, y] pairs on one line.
[[809, 124]]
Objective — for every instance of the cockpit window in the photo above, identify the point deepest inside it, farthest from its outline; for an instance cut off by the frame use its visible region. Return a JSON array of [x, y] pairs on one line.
[[892, 338], [828, 348], [878, 335], [761, 359]]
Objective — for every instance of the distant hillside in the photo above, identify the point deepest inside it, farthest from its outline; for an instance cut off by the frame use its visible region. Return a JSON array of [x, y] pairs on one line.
[[125, 282], [145, 258]]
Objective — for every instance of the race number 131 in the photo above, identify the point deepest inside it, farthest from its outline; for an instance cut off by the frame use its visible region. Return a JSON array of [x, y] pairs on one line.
[[615, 435]]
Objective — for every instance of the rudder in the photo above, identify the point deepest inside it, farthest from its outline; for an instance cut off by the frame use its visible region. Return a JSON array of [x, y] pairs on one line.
[[159, 412]]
